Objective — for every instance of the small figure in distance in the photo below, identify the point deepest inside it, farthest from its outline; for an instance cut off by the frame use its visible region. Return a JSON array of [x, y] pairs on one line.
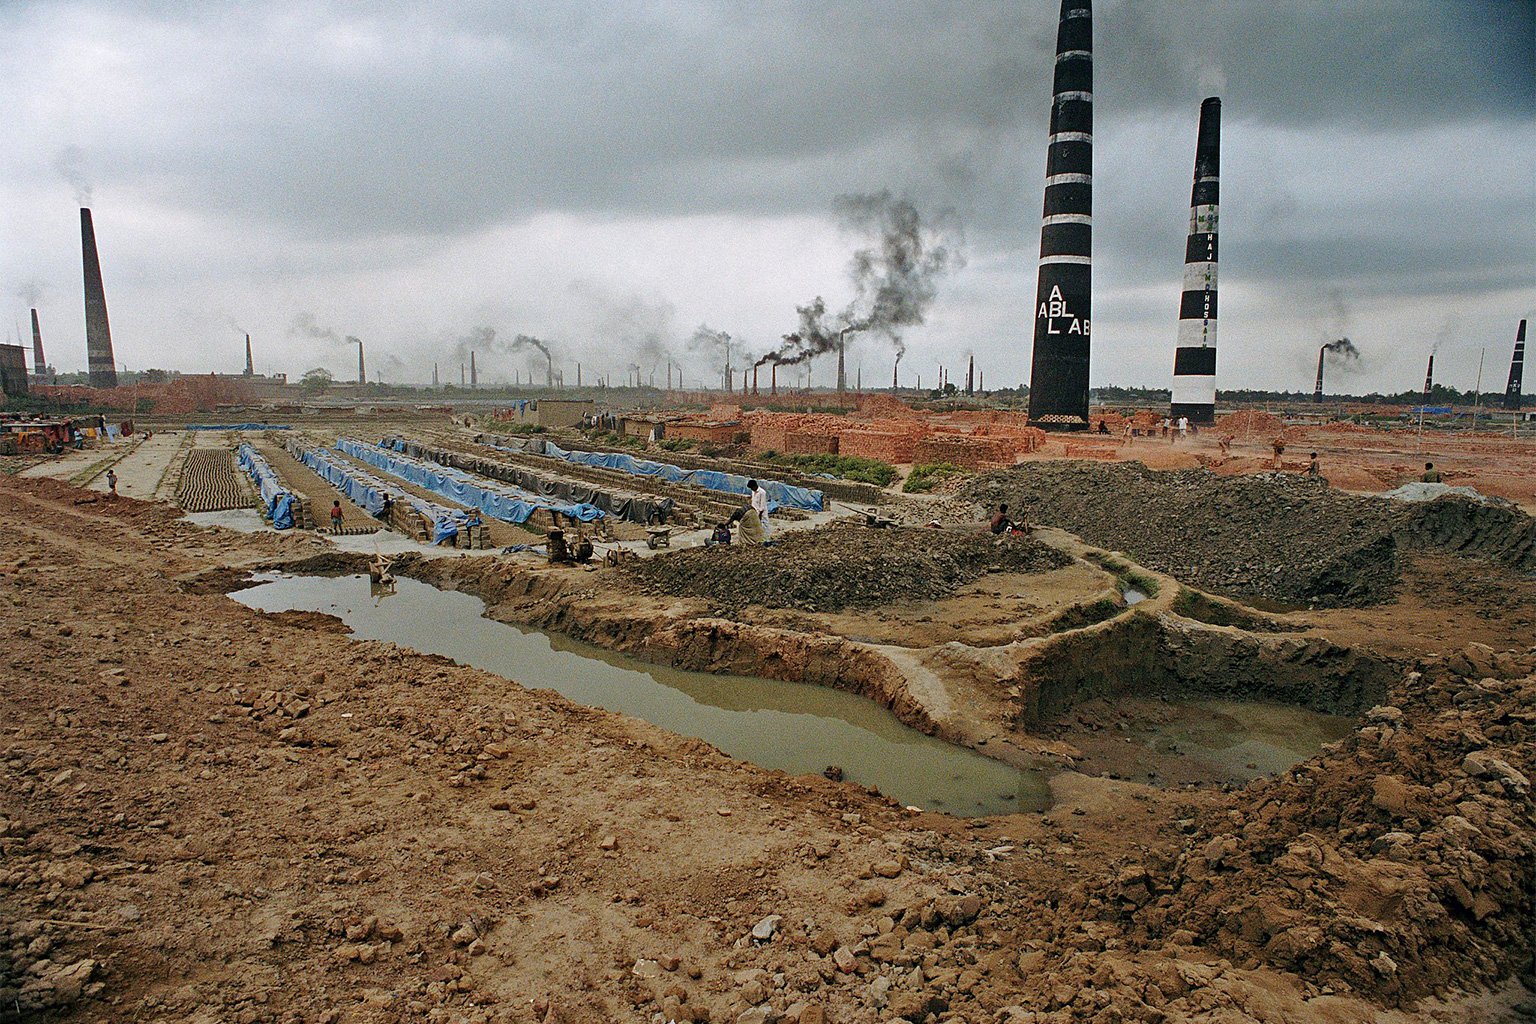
[[111, 484], [1431, 475], [721, 535], [336, 516], [1001, 524]]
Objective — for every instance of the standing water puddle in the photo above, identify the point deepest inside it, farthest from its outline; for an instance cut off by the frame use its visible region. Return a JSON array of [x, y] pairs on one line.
[[1245, 740], [795, 727]]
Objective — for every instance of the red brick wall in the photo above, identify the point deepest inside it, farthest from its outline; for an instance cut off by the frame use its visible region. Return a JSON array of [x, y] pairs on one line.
[[799, 443], [876, 444]]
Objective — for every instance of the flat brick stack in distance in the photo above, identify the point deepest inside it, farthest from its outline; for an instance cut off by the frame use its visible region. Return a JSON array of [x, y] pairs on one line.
[[883, 445], [797, 442], [771, 430], [964, 451]]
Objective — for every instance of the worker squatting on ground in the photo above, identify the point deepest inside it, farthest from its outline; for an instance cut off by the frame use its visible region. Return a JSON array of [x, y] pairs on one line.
[[751, 526], [1431, 475], [1001, 524]]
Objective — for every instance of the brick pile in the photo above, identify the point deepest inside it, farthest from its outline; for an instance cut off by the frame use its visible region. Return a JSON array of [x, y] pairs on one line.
[[183, 395], [887, 446], [964, 450], [770, 430], [1022, 440], [798, 442], [886, 407]]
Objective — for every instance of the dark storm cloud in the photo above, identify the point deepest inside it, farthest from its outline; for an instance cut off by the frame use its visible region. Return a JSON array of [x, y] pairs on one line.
[[1375, 145], [383, 117]]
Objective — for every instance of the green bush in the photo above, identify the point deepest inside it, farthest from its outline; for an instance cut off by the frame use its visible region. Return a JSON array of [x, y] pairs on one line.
[[527, 428], [674, 444], [925, 476], [848, 467]]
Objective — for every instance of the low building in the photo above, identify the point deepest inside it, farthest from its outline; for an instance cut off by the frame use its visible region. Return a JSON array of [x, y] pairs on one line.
[[548, 412], [13, 371]]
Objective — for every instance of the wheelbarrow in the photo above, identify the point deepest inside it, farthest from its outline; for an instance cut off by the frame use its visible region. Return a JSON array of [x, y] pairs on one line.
[[658, 537]]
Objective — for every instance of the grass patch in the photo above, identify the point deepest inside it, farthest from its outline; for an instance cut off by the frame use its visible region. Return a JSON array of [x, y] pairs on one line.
[[674, 444], [848, 467], [1194, 605], [1127, 574], [1084, 615], [925, 476], [527, 428]]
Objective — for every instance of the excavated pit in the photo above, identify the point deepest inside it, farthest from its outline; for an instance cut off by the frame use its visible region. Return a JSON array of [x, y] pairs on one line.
[[1119, 682]]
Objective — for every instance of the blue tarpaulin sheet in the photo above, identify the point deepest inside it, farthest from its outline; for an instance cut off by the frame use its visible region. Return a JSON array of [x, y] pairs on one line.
[[237, 426], [274, 495], [368, 493], [780, 495], [498, 501]]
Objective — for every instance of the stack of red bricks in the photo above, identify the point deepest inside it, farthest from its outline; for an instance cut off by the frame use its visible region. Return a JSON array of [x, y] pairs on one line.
[[1022, 440], [771, 430], [801, 442], [887, 446], [964, 450]]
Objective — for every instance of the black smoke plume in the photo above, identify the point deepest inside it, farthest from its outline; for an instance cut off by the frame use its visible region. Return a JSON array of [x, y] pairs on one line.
[[305, 325], [896, 277], [716, 346], [1342, 351]]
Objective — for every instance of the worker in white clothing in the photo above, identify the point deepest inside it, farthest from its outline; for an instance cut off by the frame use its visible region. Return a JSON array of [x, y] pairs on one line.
[[760, 503]]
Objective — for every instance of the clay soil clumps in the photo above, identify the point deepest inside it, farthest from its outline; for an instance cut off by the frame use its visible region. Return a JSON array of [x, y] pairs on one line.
[[842, 566], [1282, 537], [1398, 865]]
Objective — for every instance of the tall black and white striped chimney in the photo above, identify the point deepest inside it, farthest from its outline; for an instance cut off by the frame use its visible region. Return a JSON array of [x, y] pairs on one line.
[[1516, 370], [1194, 360], [1058, 375]]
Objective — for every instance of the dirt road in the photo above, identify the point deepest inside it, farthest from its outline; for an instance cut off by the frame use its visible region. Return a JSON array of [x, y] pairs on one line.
[[214, 814]]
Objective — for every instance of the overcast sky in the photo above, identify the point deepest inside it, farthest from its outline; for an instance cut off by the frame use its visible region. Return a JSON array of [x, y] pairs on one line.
[[596, 173]]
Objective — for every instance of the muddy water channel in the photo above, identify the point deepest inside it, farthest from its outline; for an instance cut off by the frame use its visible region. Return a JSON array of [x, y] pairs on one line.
[[794, 727]]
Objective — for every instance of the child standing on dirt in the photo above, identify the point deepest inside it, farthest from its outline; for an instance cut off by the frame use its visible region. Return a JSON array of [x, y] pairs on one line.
[[111, 483], [336, 516]]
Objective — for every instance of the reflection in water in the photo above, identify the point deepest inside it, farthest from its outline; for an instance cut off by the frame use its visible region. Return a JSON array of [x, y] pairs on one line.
[[794, 727]]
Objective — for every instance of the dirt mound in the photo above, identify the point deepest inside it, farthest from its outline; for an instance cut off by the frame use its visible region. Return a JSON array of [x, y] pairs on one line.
[[1399, 865], [1284, 537], [842, 566]]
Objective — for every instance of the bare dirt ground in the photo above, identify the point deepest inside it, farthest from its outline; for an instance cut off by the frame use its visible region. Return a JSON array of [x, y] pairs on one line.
[[214, 814]]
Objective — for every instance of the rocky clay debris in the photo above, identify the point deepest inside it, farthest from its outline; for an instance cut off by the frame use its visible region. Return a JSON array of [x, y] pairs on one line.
[[842, 566], [1280, 536], [1399, 864]]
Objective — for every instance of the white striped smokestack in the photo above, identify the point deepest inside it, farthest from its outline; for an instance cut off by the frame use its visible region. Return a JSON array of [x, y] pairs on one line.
[[1194, 360], [1058, 375]]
